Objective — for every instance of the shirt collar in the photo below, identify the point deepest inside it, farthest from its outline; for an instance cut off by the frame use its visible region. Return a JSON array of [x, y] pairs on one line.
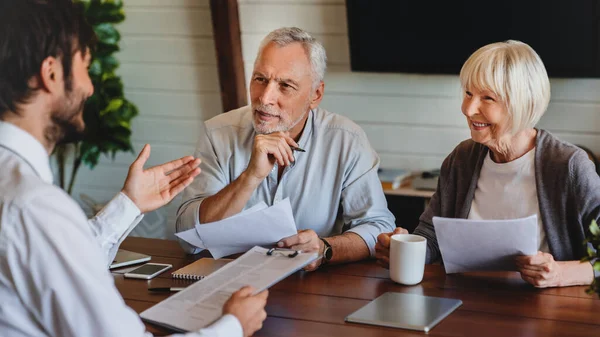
[[304, 137], [28, 148]]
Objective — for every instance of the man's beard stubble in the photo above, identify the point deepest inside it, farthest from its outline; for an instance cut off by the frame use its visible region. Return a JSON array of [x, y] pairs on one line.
[[260, 128], [65, 127]]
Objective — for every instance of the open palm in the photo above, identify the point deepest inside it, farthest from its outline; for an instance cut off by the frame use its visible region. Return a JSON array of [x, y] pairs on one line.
[[154, 187]]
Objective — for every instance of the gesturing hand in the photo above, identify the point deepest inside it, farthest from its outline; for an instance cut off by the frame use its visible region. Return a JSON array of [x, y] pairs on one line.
[[154, 187], [268, 150], [382, 247]]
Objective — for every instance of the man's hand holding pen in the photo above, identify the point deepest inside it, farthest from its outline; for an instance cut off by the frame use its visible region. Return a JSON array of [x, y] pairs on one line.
[[269, 149]]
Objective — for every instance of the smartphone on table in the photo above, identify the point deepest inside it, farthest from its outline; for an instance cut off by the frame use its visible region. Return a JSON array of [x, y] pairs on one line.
[[148, 271]]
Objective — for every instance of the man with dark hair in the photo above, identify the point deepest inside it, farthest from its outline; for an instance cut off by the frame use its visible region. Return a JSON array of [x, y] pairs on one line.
[[53, 262]]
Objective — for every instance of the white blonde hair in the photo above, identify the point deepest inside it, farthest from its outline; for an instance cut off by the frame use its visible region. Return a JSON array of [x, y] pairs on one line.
[[513, 71], [314, 49]]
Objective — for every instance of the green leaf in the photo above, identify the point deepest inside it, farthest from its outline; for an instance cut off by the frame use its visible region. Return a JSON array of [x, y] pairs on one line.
[[90, 156], [124, 124], [594, 229], [105, 12], [107, 34], [95, 68], [597, 265], [109, 64], [113, 105], [111, 15], [117, 3], [128, 111], [113, 87], [105, 49], [591, 251]]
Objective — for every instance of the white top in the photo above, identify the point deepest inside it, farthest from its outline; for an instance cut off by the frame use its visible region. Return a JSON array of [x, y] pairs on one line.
[[54, 279], [508, 191]]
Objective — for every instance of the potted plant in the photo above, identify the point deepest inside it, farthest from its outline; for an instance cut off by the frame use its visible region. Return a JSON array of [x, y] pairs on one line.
[[107, 113], [594, 240]]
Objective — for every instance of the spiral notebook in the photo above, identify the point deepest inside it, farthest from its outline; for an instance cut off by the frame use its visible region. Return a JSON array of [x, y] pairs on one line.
[[199, 269]]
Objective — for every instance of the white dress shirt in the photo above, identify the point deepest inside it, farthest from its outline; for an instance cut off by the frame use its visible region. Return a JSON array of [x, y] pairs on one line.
[[508, 191], [54, 279]]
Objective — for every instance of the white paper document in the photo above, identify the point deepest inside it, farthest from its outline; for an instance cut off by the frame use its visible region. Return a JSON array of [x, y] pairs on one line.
[[191, 236], [201, 304], [257, 226], [485, 245]]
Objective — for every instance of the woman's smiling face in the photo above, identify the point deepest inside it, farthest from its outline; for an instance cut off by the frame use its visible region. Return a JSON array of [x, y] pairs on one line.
[[487, 115]]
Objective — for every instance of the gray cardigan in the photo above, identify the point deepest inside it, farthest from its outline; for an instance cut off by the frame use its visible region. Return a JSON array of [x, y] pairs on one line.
[[568, 190]]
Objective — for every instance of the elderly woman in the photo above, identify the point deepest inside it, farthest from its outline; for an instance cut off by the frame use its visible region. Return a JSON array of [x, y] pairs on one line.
[[509, 169]]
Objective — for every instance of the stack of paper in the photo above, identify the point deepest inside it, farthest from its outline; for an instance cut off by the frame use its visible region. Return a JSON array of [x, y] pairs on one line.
[[258, 226], [485, 245]]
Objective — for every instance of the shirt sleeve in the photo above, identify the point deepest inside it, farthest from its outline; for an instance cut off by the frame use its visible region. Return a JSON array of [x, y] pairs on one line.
[[226, 326], [210, 182], [60, 276], [425, 227], [364, 205], [113, 223]]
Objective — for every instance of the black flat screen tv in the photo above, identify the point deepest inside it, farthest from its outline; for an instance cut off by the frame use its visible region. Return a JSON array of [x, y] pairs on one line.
[[437, 37]]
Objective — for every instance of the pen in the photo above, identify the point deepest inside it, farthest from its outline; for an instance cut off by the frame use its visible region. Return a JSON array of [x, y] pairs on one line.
[[297, 149], [166, 289]]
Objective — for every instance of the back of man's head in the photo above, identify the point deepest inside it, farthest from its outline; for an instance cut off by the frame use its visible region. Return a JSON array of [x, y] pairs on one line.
[[31, 31]]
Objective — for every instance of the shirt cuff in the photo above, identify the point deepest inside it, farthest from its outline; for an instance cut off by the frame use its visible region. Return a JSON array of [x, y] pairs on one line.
[[119, 213], [367, 235], [226, 326], [190, 216]]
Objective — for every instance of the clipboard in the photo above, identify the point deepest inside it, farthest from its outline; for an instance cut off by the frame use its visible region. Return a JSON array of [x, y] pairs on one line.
[[200, 304]]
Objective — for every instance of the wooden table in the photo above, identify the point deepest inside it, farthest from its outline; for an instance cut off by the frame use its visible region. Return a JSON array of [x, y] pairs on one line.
[[315, 304]]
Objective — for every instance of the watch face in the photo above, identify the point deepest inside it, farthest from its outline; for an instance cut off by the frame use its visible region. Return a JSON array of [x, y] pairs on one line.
[[328, 253]]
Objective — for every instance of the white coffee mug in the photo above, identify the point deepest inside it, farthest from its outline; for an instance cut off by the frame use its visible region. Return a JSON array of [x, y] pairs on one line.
[[407, 258]]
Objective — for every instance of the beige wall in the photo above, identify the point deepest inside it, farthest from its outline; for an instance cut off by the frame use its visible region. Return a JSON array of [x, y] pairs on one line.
[[413, 121], [168, 66]]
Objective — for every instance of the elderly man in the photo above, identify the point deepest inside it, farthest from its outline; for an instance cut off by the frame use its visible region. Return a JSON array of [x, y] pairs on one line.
[[285, 146]]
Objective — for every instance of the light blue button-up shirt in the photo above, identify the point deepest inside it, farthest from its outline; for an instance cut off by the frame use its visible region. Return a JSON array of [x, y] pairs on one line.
[[332, 187]]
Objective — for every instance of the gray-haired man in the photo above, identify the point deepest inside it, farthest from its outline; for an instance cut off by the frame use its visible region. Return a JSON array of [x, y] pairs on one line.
[[248, 157]]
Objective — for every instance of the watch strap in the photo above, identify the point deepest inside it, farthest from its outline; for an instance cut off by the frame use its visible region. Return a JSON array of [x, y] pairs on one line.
[[326, 250]]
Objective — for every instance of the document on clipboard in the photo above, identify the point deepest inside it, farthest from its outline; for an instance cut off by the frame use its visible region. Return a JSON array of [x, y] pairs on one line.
[[201, 304]]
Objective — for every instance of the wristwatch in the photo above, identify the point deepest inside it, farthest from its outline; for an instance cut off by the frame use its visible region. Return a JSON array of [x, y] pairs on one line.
[[327, 252]]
